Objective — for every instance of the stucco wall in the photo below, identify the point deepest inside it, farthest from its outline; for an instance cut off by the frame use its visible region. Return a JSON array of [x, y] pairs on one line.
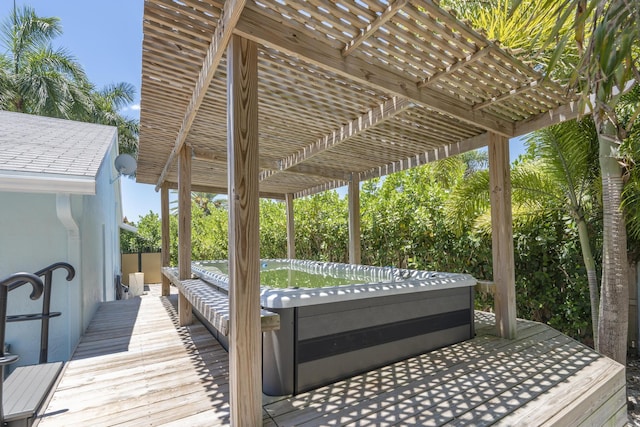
[[33, 236], [100, 234]]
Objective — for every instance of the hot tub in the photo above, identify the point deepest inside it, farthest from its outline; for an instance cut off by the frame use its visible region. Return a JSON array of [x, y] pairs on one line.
[[381, 315]]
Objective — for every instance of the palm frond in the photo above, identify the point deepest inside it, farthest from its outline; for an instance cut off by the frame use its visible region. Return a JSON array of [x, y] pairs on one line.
[[525, 29], [118, 95], [476, 160], [569, 153], [7, 92], [449, 170], [631, 204], [467, 200], [532, 187], [523, 219], [23, 31]]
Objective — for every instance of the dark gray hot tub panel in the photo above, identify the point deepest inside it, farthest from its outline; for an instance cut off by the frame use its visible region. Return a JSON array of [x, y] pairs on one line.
[[320, 344]]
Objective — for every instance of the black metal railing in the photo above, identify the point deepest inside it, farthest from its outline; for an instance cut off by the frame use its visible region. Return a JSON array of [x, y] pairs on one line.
[[11, 282], [46, 313]]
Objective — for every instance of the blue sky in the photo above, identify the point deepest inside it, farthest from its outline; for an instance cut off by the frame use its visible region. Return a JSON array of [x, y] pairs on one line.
[[106, 38]]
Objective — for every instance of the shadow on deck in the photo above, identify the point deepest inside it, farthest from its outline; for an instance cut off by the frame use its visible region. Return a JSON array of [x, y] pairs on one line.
[[167, 374], [135, 366]]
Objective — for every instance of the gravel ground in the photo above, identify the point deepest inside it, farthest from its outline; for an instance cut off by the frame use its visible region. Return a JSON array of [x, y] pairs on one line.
[[633, 390]]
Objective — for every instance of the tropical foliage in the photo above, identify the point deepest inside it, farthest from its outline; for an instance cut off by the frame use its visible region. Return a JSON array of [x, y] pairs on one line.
[[147, 239], [607, 36], [36, 78], [592, 46], [524, 30], [407, 222]]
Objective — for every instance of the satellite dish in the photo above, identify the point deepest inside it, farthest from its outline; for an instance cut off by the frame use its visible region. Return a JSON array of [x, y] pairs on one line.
[[125, 164]]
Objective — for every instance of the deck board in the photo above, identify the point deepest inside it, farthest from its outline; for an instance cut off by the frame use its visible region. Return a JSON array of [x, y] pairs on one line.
[[136, 366]]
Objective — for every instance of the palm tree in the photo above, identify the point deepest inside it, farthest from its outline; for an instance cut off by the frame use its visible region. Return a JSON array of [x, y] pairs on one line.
[[631, 152], [524, 30], [107, 104], [565, 172], [451, 170], [204, 201], [606, 33], [601, 36], [35, 78], [557, 173]]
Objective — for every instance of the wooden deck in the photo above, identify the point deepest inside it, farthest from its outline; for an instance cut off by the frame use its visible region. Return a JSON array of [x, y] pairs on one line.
[[135, 366]]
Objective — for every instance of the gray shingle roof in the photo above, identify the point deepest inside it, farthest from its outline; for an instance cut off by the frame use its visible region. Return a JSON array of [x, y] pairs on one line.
[[34, 144]]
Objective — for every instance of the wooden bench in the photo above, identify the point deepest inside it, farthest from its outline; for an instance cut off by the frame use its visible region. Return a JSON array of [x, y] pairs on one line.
[[25, 390], [213, 304]]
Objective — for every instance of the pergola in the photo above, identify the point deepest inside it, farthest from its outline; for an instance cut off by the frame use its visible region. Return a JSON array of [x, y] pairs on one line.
[[284, 99]]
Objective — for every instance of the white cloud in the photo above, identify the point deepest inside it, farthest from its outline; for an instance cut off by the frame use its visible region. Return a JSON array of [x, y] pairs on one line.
[[131, 111]]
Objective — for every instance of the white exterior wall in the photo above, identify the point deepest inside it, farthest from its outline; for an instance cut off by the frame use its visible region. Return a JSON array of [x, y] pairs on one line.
[[100, 239], [36, 230], [32, 238]]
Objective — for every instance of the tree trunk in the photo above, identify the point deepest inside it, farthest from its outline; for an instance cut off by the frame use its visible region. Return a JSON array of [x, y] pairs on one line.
[[614, 302], [590, 266], [19, 104]]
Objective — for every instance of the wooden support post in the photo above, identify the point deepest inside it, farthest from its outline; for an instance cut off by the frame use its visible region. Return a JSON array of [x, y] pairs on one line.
[[354, 220], [502, 236], [184, 231], [245, 338], [166, 254], [291, 228]]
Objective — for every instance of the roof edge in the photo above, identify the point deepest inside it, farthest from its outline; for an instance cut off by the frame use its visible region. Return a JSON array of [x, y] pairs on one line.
[[47, 183]]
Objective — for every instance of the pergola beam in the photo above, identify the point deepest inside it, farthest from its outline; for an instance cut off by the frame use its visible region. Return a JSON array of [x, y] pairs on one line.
[[428, 156], [319, 171], [561, 114], [366, 121], [230, 15], [440, 153], [320, 188], [368, 31], [220, 157], [566, 112], [271, 167], [513, 92], [264, 30], [208, 155], [223, 190]]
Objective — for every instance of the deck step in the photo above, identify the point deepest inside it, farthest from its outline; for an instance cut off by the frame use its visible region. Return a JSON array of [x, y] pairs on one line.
[[25, 390]]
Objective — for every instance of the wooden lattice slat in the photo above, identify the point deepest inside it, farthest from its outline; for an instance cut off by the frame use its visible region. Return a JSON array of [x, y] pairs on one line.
[[447, 71]]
